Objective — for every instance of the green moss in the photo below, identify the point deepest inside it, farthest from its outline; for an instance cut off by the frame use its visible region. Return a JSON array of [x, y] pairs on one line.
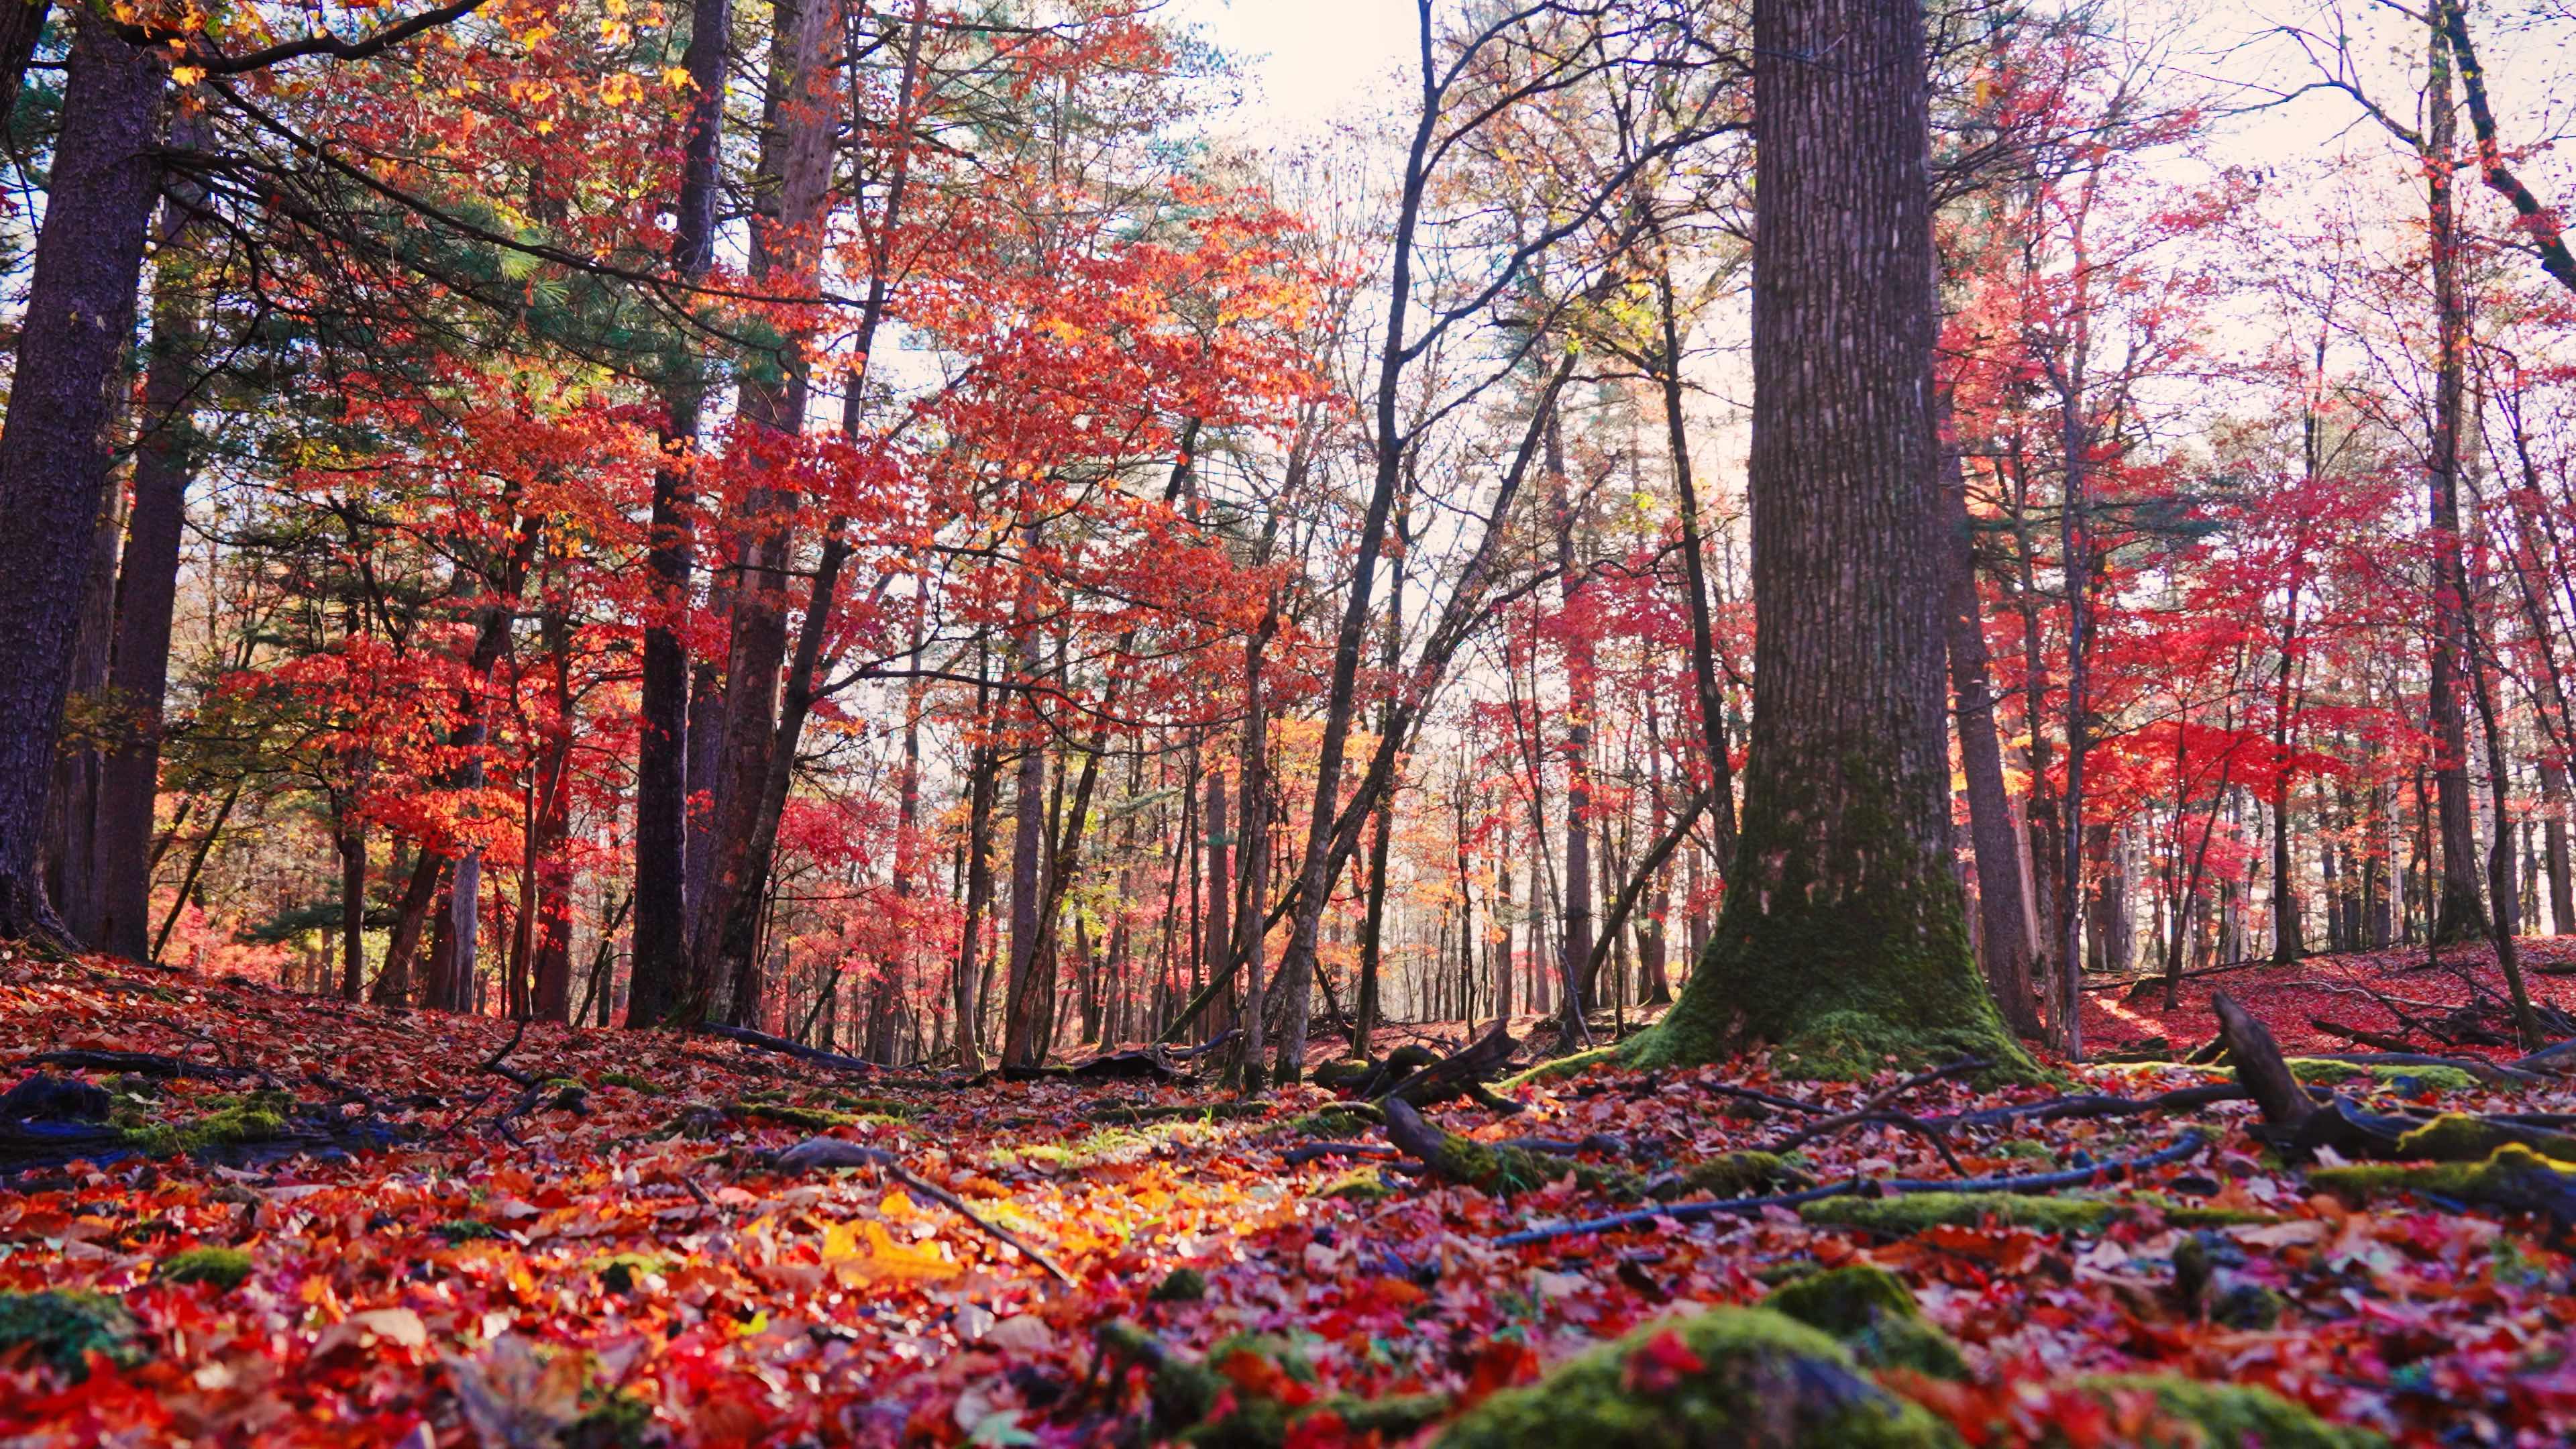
[[617, 1421], [621, 1273], [1502, 1170], [2197, 1415], [1360, 1184], [1845, 1300], [2318, 1072], [1343, 1075], [465, 1230], [223, 1267], [2248, 1306], [812, 1119], [1915, 1211], [1342, 1119], [1762, 1379], [1181, 1285], [1866, 1308], [64, 1328], [1561, 1067], [2513, 1178], [1736, 1174], [630, 1082], [2022, 1149], [2458, 1137], [1847, 952], [235, 1119]]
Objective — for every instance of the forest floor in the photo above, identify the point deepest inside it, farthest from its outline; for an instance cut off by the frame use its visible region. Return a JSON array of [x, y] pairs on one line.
[[341, 1225]]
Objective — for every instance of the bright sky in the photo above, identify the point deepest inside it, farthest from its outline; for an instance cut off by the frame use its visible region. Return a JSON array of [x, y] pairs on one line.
[[1306, 61]]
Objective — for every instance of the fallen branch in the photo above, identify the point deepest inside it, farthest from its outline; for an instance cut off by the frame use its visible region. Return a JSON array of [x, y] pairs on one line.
[[493, 1062], [2501, 1074], [1876, 1110], [818, 1153], [1314, 1151], [2058, 1109], [2380, 1039], [1461, 1073], [781, 1045], [2190, 1143], [141, 1064]]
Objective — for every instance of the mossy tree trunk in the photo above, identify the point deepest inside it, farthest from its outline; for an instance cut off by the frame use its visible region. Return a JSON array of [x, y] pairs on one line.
[[1842, 938]]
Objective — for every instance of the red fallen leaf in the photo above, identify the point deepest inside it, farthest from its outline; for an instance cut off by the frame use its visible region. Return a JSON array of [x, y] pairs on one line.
[[1501, 1364], [2012, 1250], [1260, 1376], [1661, 1363]]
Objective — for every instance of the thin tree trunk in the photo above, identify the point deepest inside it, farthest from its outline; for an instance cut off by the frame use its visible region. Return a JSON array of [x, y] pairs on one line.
[[660, 973]]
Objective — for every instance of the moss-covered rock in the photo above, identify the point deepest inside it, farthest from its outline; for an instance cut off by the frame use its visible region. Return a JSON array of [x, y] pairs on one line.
[[225, 1268], [1254, 1377], [2190, 1414], [1735, 1174], [1844, 1300], [64, 1328], [2513, 1178], [1181, 1285], [1734, 1378], [1871, 1313], [630, 1082]]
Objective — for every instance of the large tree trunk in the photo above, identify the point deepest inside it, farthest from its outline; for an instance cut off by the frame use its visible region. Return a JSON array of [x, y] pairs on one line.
[[57, 443], [2460, 915], [660, 973], [1219, 917], [1842, 938]]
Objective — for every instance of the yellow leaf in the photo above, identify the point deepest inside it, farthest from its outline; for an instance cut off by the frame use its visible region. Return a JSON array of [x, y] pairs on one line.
[[863, 1252]]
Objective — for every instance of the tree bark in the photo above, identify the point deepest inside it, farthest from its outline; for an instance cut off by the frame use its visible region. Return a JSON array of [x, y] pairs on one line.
[[147, 589], [56, 444], [793, 175], [2460, 915], [660, 972], [2003, 912], [1842, 938]]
